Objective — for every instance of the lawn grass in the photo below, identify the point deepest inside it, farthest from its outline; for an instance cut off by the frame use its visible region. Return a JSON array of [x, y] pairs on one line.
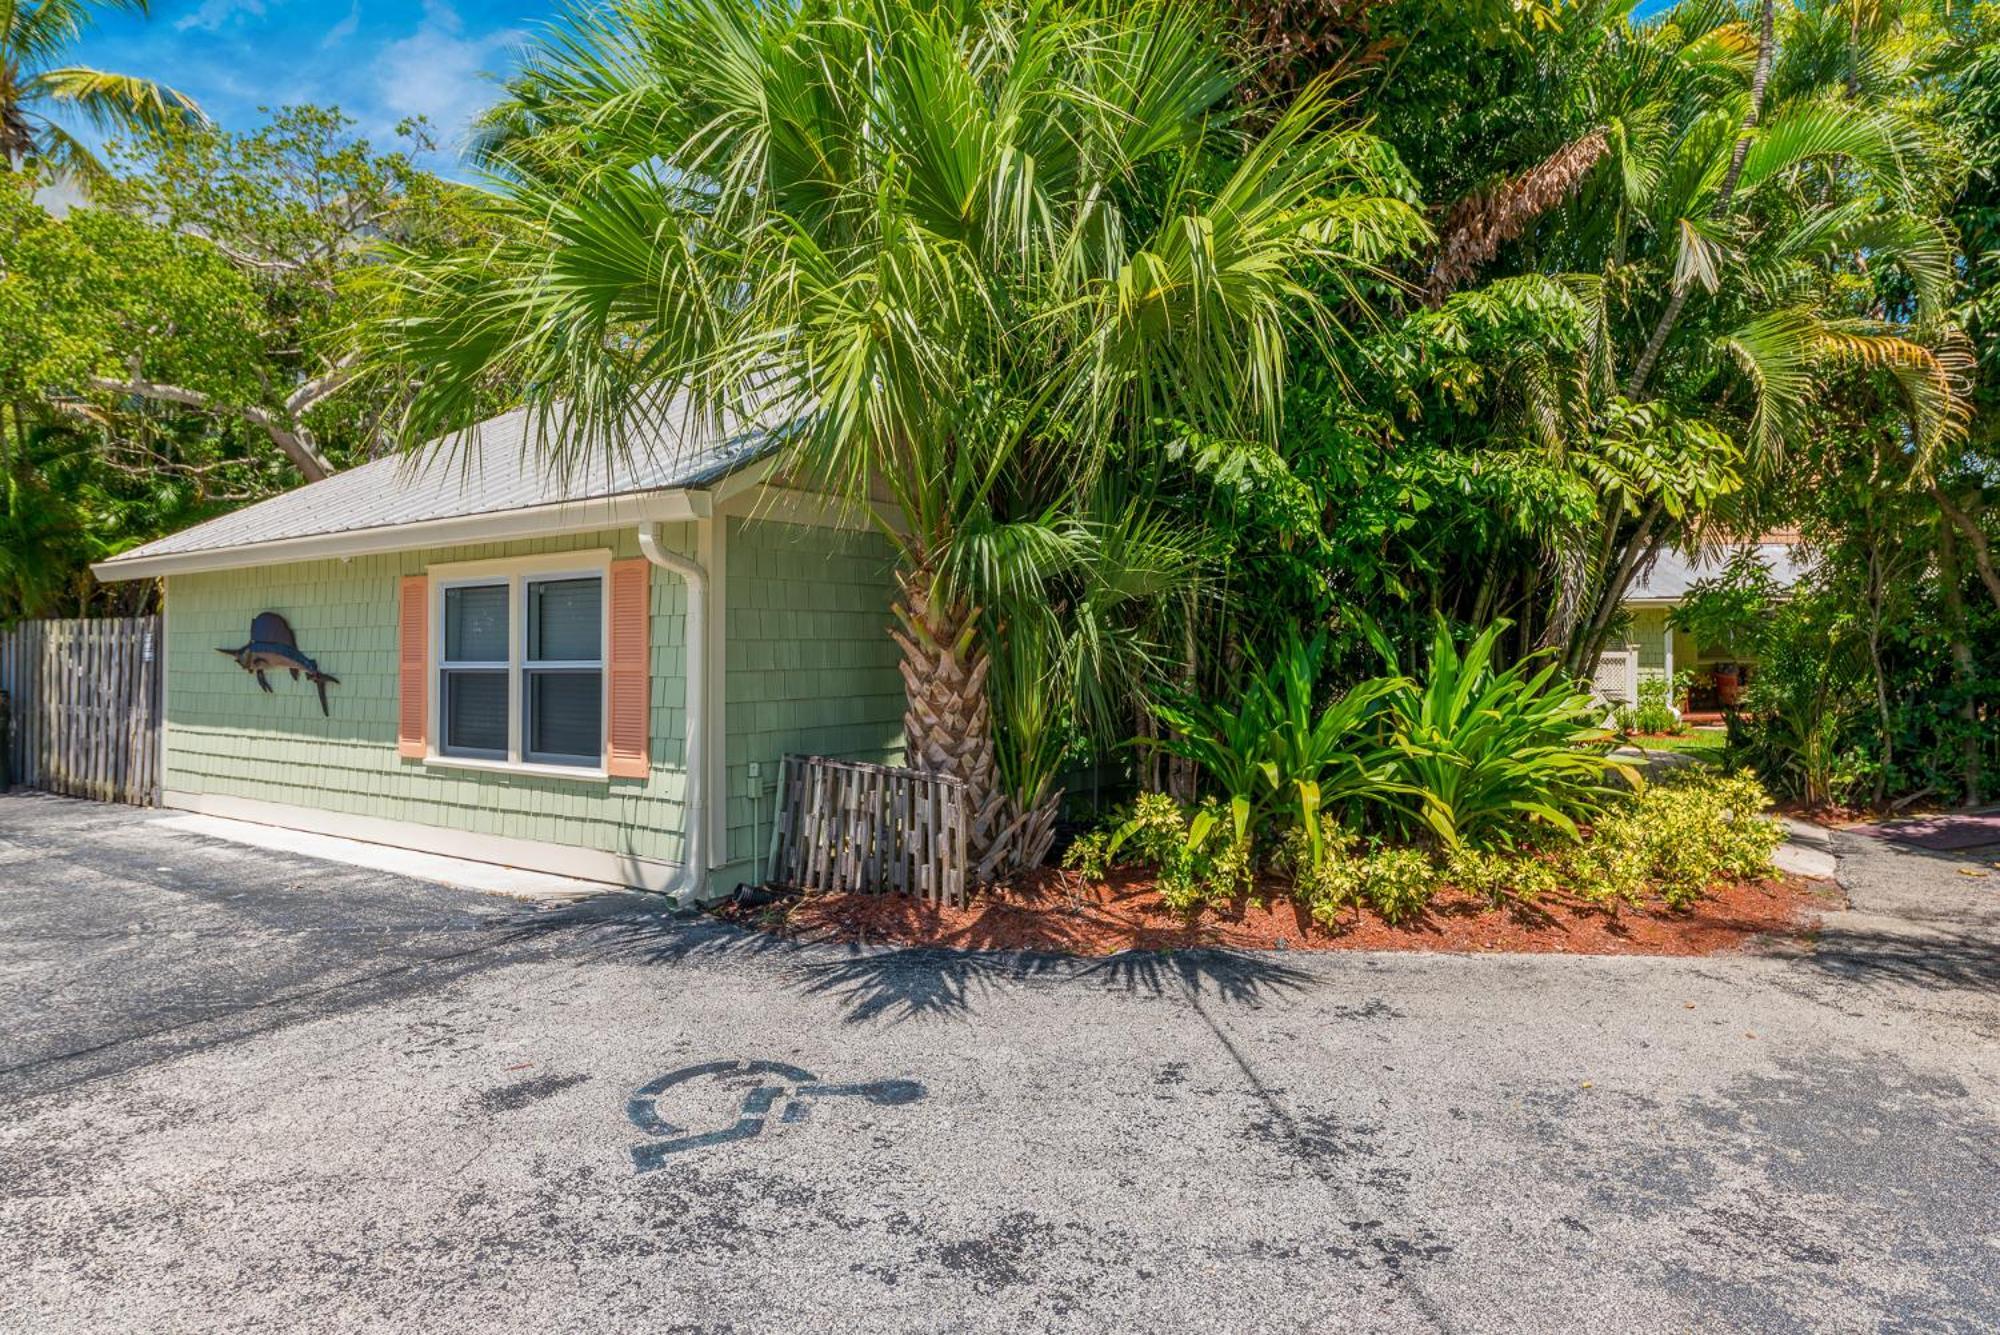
[[1704, 744]]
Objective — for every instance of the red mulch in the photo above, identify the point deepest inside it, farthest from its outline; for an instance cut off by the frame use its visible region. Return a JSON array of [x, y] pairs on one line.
[[1058, 911]]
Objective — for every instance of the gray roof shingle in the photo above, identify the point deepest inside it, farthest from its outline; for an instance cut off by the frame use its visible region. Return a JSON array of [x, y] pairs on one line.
[[492, 468], [1674, 573]]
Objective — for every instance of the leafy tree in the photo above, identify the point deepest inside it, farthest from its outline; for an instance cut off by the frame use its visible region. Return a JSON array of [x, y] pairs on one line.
[[1689, 247], [184, 345], [36, 91], [968, 251], [299, 208]]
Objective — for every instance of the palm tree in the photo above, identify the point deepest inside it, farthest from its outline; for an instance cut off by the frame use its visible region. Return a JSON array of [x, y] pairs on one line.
[[1735, 162], [969, 249], [35, 90]]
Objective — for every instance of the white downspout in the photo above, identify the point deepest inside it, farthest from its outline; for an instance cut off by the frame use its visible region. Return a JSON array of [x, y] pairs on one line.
[[688, 886]]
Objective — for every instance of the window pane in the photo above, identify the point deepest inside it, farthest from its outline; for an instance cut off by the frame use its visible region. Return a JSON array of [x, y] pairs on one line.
[[565, 723], [475, 624], [475, 711], [563, 621]]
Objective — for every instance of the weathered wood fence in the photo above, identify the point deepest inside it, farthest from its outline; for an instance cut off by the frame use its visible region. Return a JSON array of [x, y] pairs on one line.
[[83, 705], [849, 826]]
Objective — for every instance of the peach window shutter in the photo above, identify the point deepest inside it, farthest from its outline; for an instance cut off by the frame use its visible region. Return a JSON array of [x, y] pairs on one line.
[[414, 667], [629, 675]]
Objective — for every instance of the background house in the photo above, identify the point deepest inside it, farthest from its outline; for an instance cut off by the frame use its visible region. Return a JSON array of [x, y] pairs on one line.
[[1651, 649], [519, 656]]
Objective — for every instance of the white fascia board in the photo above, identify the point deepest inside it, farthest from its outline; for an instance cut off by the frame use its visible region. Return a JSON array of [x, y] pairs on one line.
[[541, 521]]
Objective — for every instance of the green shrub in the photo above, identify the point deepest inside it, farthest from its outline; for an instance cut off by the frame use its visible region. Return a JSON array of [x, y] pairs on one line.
[[1489, 754], [1279, 757], [1687, 831], [1678, 837], [1089, 854], [1497, 876], [1612, 867], [1654, 712], [1398, 882], [1327, 878], [1195, 853], [1486, 875]]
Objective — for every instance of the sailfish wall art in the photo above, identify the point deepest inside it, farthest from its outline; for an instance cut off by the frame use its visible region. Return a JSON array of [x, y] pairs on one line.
[[273, 646]]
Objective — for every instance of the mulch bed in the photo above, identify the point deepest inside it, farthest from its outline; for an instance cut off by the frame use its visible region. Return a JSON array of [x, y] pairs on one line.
[[1057, 911]]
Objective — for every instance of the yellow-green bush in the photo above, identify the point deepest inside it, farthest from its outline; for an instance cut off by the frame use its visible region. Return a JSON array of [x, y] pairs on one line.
[[1676, 837], [1398, 882], [1194, 851], [1609, 867], [1691, 829], [1328, 881]]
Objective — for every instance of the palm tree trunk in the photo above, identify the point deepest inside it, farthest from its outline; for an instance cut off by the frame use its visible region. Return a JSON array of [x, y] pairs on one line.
[[1885, 715], [1585, 649], [947, 718]]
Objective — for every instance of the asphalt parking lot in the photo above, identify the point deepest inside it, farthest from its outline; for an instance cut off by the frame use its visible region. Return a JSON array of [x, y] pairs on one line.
[[246, 1090]]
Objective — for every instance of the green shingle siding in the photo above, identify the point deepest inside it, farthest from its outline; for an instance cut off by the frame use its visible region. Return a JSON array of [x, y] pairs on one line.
[[226, 738], [1649, 631], [809, 665]]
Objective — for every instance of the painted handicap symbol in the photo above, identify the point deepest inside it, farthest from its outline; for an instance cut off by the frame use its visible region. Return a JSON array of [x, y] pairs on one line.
[[770, 1084]]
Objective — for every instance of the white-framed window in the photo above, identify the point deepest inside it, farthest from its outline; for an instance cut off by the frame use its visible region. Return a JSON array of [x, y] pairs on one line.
[[519, 649]]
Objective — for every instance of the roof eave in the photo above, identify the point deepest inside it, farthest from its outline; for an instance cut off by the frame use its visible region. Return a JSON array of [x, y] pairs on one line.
[[666, 506]]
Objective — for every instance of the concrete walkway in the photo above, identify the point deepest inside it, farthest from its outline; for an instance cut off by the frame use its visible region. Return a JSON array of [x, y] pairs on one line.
[[249, 1090]]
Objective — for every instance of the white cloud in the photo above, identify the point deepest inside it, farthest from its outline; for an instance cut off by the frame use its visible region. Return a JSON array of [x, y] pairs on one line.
[[440, 73], [344, 29], [210, 15]]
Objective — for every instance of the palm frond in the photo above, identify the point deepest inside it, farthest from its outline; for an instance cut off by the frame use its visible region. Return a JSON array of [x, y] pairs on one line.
[[114, 102], [1933, 381], [1776, 353]]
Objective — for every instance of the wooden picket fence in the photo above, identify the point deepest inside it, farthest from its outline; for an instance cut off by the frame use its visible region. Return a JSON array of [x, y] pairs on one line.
[[83, 704], [843, 825]]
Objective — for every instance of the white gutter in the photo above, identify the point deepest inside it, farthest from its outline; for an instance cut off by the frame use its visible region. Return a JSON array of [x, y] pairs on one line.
[[692, 881]]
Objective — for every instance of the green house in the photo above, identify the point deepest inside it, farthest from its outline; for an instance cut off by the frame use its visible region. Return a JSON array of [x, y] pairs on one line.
[[594, 674]]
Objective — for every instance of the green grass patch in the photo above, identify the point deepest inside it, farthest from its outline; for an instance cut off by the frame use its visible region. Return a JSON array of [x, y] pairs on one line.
[[1704, 744]]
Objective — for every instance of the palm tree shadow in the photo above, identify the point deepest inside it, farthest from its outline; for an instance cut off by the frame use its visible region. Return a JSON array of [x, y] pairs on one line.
[[1939, 962], [929, 983], [872, 984]]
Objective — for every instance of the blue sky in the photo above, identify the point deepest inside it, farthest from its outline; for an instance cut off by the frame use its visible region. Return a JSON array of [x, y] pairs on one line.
[[378, 60]]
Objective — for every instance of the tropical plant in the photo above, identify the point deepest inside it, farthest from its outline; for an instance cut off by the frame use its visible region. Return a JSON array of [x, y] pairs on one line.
[[1398, 883], [1653, 712], [37, 93], [1195, 854], [965, 250], [1681, 836], [1490, 753], [1703, 233], [183, 344], [1281, 757]]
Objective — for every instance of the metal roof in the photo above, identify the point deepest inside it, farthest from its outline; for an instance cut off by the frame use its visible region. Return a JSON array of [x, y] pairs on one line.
[[490, 469], [1674, 573]]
